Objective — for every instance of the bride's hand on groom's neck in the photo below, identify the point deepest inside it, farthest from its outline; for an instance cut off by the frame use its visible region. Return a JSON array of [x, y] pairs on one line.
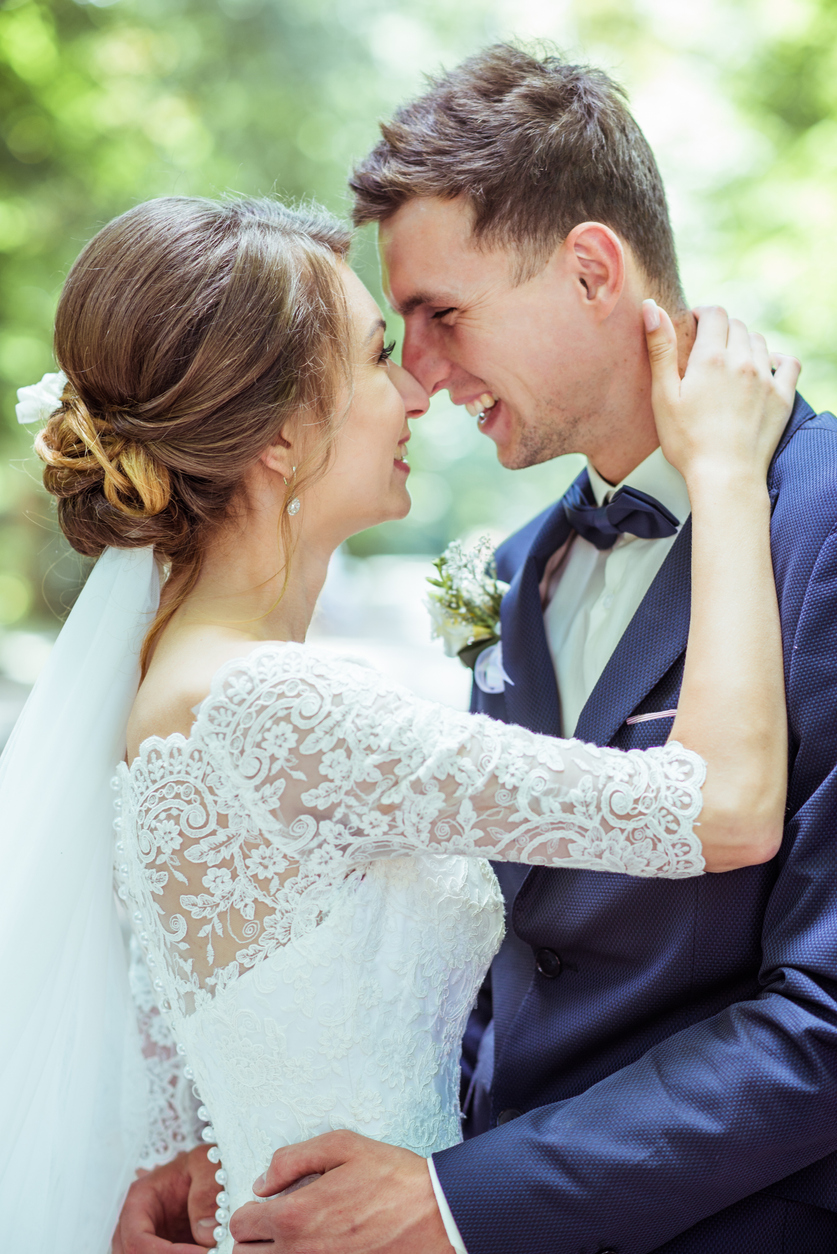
[[170, 1210], [724, 416]]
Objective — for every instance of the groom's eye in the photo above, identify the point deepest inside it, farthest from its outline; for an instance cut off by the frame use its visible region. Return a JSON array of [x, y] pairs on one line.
[[441, 313]]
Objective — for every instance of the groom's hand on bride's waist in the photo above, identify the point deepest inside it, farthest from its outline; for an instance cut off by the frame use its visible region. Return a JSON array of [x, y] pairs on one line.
[[371, 1199], [170, 1210]]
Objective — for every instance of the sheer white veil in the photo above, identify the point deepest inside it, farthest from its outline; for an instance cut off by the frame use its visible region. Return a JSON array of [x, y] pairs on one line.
[[72, 1087]]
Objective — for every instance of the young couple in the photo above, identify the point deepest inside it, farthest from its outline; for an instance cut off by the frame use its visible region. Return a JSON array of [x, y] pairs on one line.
[[301, 845]]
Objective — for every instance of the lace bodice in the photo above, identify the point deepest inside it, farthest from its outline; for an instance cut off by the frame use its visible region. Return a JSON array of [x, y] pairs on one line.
[[307, 881]]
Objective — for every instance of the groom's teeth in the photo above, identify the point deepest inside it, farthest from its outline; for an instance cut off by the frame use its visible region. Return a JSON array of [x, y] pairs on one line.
[[486, 401]]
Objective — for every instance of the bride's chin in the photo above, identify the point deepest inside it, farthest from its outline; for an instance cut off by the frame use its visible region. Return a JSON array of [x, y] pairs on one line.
[[397, 506], [389, 511]]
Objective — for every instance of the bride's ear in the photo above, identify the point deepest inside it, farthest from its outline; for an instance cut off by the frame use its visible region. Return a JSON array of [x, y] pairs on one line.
[[279, 457], [596, 258]]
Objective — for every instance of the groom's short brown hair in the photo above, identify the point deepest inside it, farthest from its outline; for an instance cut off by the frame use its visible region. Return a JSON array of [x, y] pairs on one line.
[[537, 146]]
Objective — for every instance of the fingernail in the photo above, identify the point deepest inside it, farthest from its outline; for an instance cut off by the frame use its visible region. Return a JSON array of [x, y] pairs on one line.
[[259, 1184], [651, 315], [207, 1223]]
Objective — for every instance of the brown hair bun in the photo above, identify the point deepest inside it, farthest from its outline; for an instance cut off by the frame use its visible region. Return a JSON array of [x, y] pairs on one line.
[[190, 331]]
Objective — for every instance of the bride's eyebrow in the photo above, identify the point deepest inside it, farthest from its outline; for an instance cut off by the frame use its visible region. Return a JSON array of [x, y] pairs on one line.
[[380, 325]]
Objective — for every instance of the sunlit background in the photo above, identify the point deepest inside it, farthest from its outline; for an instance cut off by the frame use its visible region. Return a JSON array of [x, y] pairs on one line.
[[105, 104]]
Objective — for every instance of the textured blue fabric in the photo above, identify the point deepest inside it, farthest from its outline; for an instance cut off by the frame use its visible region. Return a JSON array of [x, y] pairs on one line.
[[677, 1082]]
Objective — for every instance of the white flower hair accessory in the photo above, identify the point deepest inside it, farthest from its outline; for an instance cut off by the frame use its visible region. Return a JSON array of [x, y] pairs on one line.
[[36, 402], [464, 601]]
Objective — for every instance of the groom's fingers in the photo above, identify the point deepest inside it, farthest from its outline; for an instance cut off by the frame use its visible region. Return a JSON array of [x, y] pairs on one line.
[[203, 1194], [252, 1227], [153, 1218], [310, 1158]]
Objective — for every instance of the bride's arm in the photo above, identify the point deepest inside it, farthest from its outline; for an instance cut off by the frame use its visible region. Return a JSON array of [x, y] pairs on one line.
[[337, 765], [719, 426], [430, 778]]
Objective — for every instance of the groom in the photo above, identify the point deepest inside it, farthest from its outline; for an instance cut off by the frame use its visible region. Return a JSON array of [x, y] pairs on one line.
[[653, 1066]]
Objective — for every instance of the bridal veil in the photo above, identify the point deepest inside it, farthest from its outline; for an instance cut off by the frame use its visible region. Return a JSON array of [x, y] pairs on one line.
[[72, 1086]]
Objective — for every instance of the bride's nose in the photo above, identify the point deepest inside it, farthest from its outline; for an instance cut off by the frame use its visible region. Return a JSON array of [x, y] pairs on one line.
[[414, 396]]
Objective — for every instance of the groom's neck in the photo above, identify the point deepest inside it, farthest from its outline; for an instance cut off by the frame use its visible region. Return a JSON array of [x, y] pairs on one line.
[[632, 436]]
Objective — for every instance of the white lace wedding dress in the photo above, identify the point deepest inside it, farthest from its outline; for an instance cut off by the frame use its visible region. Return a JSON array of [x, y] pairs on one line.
[[306, 878]]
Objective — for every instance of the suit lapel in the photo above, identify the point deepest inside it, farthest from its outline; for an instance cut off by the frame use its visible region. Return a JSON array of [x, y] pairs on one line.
[[532, 698], [654, 639], [658, 632]]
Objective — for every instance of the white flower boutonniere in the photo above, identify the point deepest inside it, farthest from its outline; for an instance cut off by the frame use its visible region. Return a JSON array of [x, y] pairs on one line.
[[464, 601]]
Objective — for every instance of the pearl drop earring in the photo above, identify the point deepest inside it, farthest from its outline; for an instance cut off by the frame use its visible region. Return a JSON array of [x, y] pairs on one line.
[[293, 503]]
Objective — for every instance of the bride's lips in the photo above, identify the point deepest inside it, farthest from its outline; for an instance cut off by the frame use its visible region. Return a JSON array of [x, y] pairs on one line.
[[401, 462]]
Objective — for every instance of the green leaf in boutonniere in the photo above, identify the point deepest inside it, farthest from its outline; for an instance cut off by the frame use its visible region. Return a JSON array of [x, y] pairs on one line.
[[464, 601]]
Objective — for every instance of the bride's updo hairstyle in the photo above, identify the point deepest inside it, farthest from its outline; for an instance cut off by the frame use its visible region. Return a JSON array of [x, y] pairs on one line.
[[190, 331]]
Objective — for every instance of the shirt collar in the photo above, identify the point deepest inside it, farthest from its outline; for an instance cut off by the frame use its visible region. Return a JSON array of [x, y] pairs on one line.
[[654, 476]]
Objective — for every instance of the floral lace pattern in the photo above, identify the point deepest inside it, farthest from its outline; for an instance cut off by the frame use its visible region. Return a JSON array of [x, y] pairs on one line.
[[313, 944], [174, 1124]]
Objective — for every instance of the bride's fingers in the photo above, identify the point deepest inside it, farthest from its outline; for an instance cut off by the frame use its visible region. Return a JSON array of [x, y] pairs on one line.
[[738, 340], [786, 371], [712, 329], [758, 349], [662, 354]]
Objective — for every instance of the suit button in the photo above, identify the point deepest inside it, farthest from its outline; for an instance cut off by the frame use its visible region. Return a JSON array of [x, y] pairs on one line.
[[506, 1116], [548, 963]]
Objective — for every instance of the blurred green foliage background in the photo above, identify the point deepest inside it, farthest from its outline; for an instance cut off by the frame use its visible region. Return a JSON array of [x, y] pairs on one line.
[[109, 102]]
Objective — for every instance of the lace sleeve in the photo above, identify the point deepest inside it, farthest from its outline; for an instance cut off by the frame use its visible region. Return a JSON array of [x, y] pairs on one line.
[[346, 765], [174, 1123], [302, 769]]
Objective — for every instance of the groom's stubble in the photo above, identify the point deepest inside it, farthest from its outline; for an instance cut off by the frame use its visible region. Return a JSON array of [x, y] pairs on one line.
[[555, 430]]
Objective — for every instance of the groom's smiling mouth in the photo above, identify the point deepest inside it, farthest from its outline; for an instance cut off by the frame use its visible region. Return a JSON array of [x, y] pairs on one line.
[[479, 408]]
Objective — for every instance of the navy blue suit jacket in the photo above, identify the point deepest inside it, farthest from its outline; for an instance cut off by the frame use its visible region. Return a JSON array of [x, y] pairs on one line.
[[686, 1055]]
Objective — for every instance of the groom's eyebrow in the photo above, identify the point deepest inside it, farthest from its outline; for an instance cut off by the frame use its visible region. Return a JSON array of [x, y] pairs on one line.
[[422, 298]]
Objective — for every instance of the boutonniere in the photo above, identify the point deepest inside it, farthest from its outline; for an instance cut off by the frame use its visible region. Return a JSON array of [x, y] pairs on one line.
[[464, 601]]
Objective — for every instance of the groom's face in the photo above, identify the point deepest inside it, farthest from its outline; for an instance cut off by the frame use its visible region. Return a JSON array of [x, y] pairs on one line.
[[472, 329]]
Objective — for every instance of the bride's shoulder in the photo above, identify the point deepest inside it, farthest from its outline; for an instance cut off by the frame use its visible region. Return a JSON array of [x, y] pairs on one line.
[[192, 676]]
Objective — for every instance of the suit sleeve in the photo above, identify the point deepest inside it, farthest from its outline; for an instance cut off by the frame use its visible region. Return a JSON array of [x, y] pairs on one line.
[[726, 1107]]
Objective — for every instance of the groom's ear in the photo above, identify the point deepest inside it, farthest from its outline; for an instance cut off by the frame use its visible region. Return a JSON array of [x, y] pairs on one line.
[[596, 260]]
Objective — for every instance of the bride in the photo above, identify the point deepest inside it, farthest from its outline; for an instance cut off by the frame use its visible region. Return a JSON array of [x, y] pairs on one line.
[[301, 844]]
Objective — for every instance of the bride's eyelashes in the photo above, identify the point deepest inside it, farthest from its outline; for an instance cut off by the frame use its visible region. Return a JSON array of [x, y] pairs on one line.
[[386, 353]]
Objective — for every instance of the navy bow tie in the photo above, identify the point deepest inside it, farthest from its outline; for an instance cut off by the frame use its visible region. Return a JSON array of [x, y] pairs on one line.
[[627, 510]]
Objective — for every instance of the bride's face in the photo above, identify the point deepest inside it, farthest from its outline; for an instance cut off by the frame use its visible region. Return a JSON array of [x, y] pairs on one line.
[[366, 482]]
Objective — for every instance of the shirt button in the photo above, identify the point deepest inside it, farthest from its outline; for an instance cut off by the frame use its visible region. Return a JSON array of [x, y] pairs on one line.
[[607, 601], [506, 1116], [548, 963]]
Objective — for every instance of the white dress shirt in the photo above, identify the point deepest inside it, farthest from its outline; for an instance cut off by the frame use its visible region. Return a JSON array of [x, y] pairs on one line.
[[590, 596]]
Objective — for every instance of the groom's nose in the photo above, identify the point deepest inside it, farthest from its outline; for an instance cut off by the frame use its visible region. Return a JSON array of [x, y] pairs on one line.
[[424, 356]]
